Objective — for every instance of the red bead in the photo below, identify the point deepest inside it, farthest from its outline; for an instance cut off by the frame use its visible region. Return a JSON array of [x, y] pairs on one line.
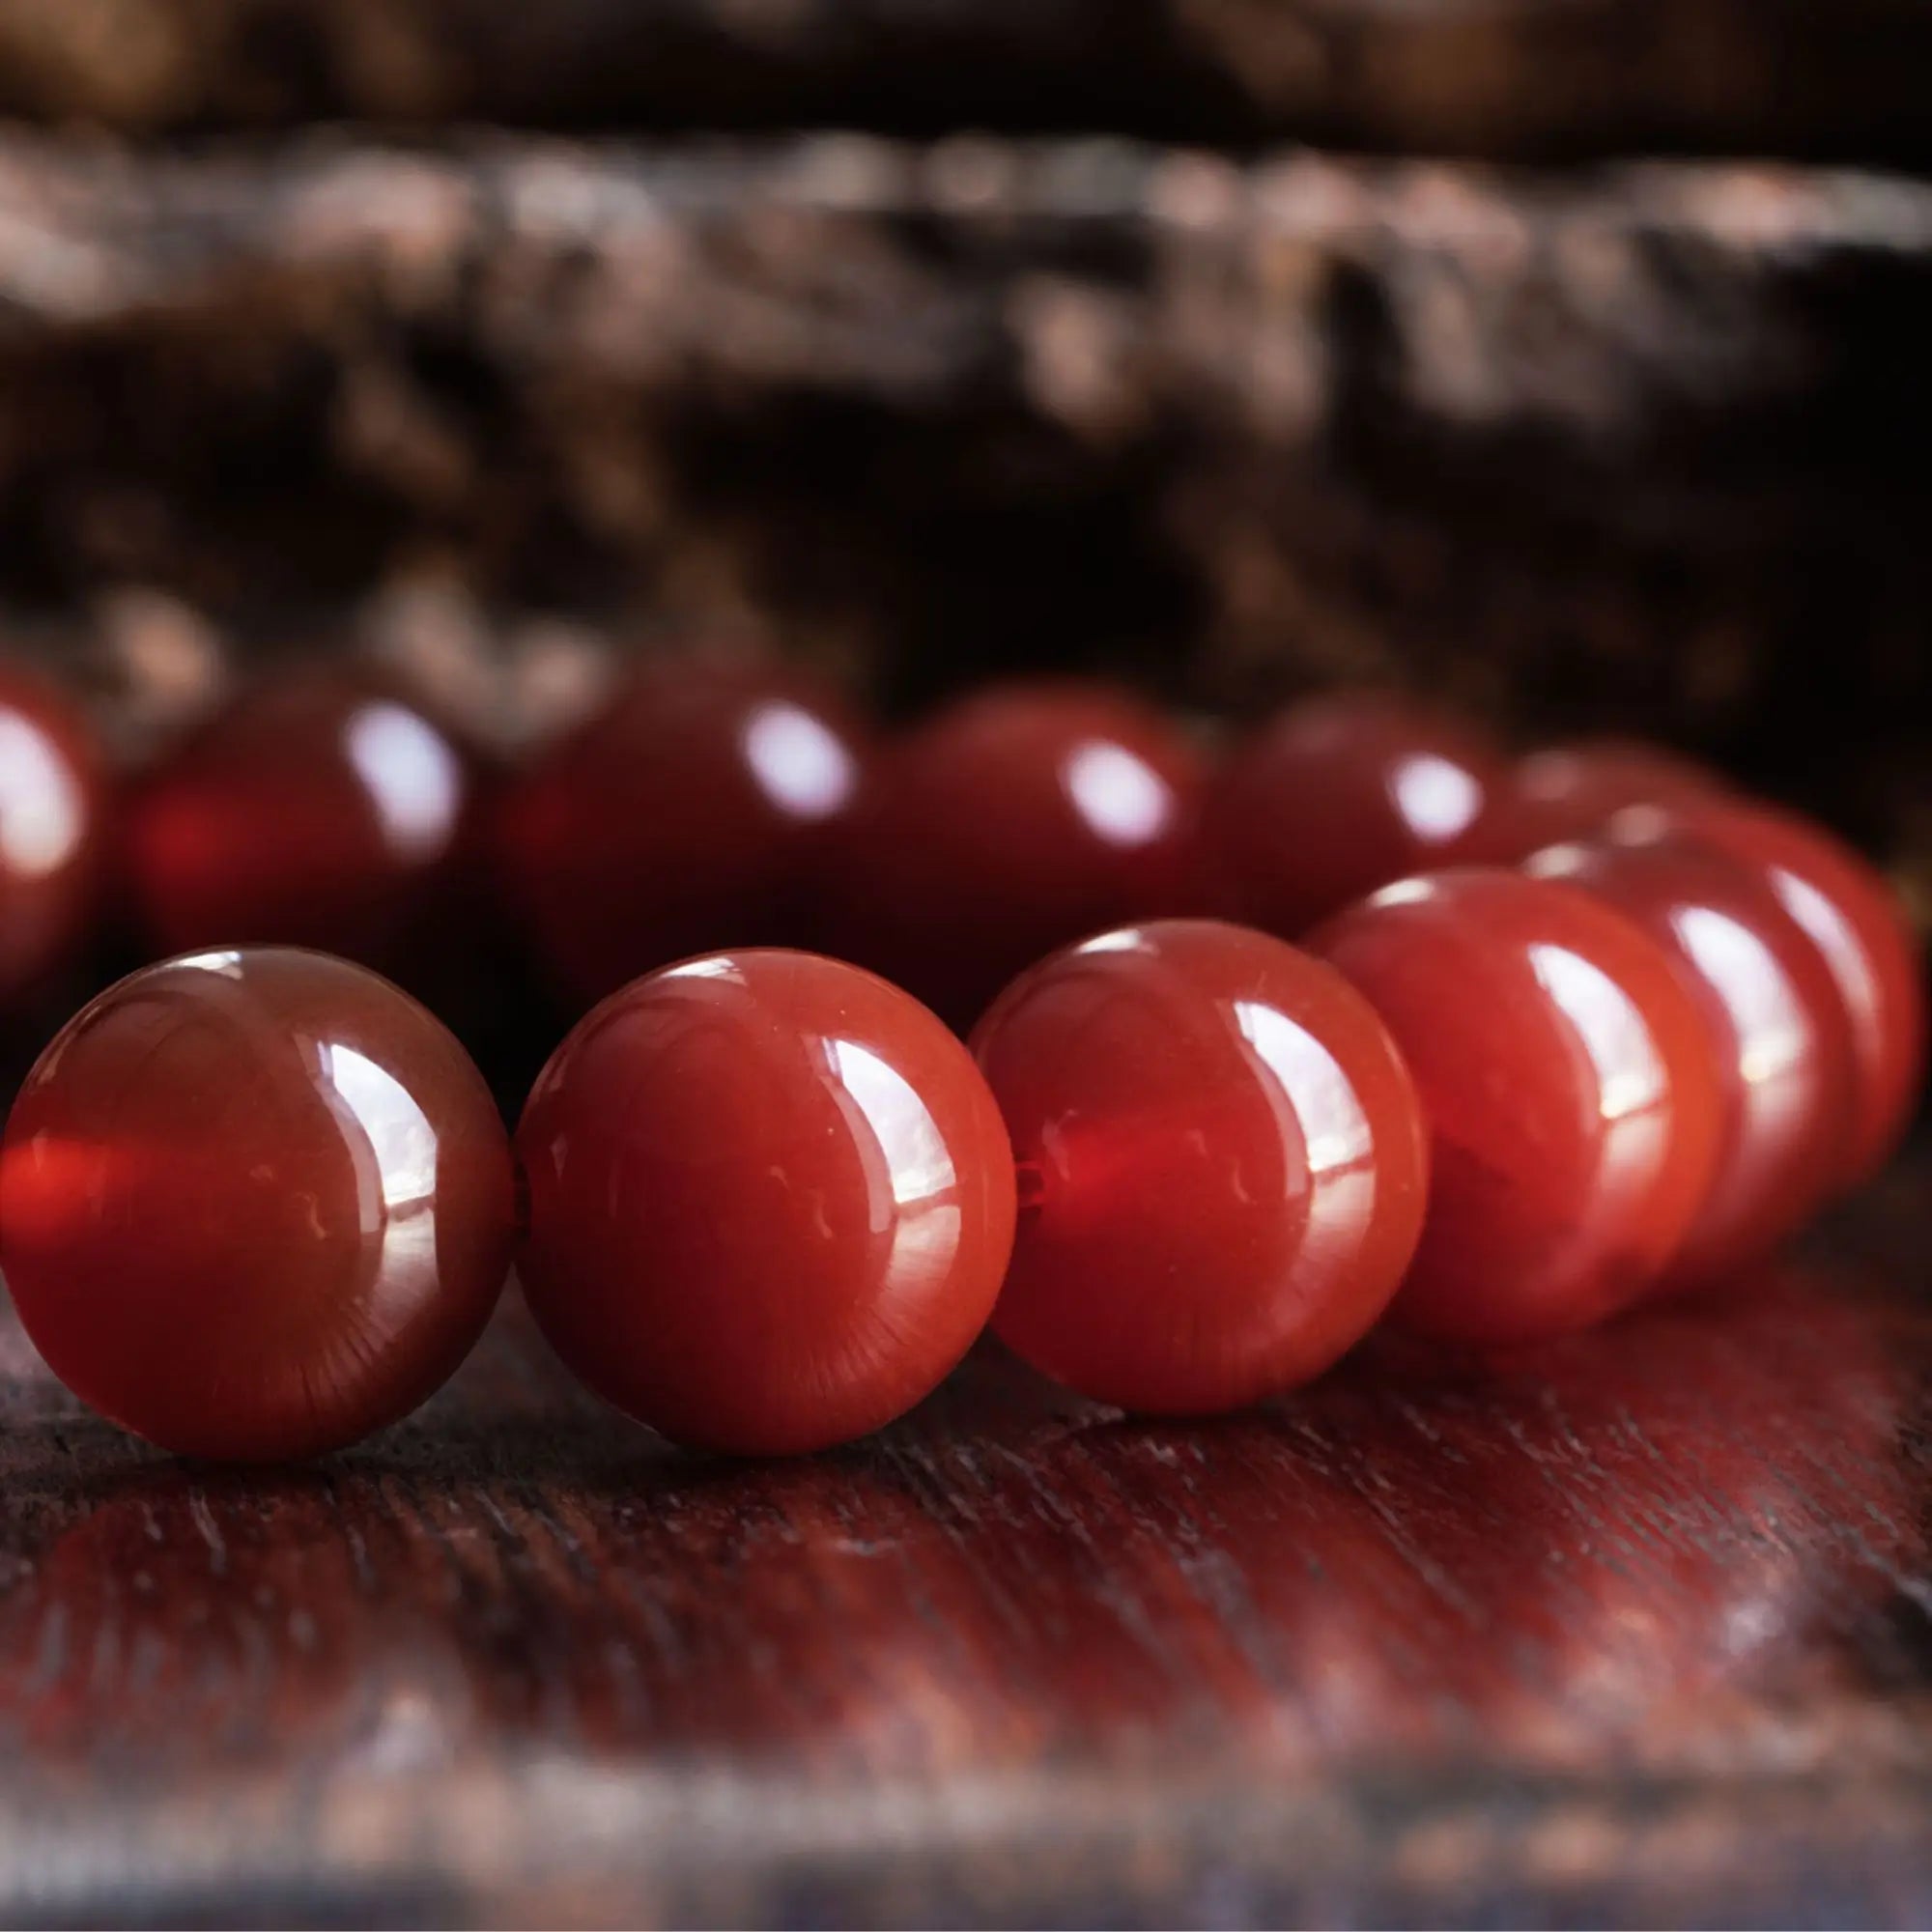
[[52, 807], [693, 813], [1570, 791], [1022, 818], [769, 1202], [254, 1204], [318, 811], [1570, 1088], [1338, 796], [1857, 923], [1222, 1163], [1777, 1028]]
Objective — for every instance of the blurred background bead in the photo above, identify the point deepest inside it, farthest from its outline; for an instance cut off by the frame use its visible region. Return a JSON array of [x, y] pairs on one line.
[[254, 1203], [1223, 1165], [1570, 1088], [1020, 818], [1777, 1026], [1857, 925], [692, 812], [1339, 795], [771, 1201], [317, 809], [54, 808], [1569, 791]]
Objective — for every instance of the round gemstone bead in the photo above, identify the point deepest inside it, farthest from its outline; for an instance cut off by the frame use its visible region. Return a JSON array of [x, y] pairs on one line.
[[769, 1202], [1338, 796], [1222, 1164], [1856, 922], [1570, 1087], [1570, 791], [52, 811], [1019, 819], [1777, 1028], [317, 809], [693, 813], [254, 1204]]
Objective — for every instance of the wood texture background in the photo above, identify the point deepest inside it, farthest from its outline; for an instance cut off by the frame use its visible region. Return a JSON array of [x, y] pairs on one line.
[[1638, 448], [1516, 78], [1634, 1628]]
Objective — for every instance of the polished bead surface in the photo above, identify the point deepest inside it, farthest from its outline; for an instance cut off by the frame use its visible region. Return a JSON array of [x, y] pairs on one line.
[[1572, 790], [1021, 819], [1570, 1087], [1222, 1160], [317, 809], [1338, 796], [52, 813], [1857, 925], [771, 1201], [254, 1203], [692, 812], [1777, 1026]]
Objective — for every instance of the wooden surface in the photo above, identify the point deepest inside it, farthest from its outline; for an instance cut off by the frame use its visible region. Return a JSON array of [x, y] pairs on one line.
[[1630, 1630], [1563, 77]]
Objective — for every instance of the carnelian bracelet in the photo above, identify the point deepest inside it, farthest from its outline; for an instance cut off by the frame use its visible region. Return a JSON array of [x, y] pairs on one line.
[[1552, 1038]]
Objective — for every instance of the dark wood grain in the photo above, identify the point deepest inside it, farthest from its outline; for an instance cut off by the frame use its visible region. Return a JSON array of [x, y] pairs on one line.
[[1633, 1628], [1568, 77]]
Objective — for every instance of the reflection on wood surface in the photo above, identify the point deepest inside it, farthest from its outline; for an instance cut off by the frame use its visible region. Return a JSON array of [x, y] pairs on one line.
[[1613, 1627]]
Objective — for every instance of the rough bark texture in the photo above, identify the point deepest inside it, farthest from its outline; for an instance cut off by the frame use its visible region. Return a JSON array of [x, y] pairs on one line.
[[1642, 445], [1513, 77]]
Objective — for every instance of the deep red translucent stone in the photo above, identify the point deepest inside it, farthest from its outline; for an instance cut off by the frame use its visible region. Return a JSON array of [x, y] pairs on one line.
[[1856, 922], [1222, 1159], [1570, 791], [769, 1202], [1019, 819], [254, 1204], [52, 813], [691, 813], [1777, 1026], [1341, 795], [1570, 1087], [317, 809]]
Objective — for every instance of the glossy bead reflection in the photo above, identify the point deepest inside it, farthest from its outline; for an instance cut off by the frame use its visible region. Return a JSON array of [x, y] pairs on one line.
[[1341, 795], [52, 803], [316, 811], [254, 1204], [1777, 1028], [1857, 923], [769, 1202], [692, 812], [1022, 818], [1222, 1159], [1571, 791], [1570, 1088]]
